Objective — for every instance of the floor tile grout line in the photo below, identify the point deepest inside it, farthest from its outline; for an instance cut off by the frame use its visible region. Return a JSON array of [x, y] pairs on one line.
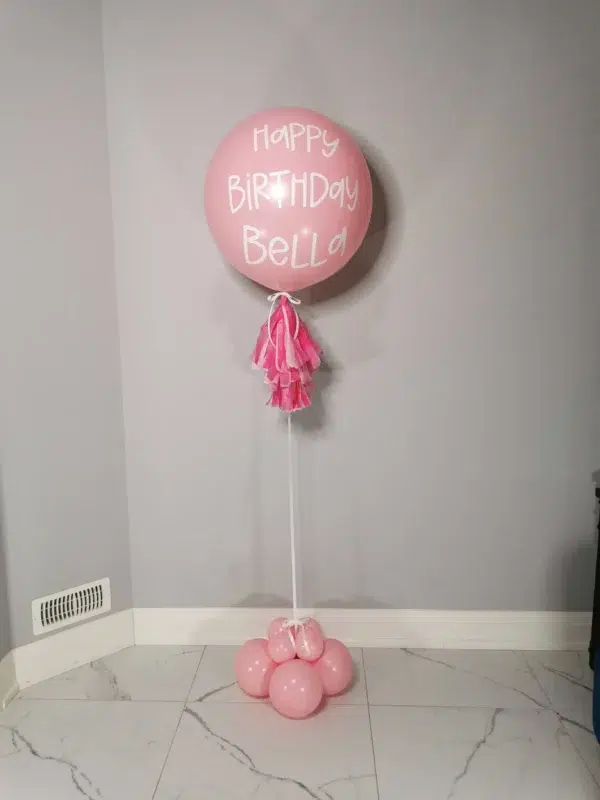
[[168, 753], [188, 701], [259, 703], [462, 707], [183, 707], [139, 701], [364, 669], [252, 704], [191, 686]]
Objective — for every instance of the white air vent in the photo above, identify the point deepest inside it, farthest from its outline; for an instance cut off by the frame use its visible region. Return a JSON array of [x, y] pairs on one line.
[[70, 606]]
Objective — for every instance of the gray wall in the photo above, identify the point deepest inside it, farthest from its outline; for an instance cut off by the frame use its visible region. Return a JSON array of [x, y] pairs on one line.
[[61, 433], [448, 461]]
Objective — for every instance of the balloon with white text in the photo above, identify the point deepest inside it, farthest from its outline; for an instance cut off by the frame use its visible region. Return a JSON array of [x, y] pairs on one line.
[[288, 198]]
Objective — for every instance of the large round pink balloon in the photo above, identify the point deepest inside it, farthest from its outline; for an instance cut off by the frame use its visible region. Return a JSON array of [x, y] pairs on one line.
[[335, 667], [288, 198], [296, 689], [254, 668]]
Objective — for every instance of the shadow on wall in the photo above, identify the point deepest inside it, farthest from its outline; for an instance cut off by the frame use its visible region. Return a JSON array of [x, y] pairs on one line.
[[5, 627], [262, 600], [571, 577], [359, 601], [258, 600], [366, 266], [352, 283]]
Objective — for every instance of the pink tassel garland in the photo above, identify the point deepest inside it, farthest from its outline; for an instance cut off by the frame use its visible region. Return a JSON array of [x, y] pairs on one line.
[[289, 356]]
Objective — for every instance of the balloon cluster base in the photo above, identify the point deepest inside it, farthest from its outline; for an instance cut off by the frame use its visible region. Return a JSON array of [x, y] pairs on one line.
[[295, 667]]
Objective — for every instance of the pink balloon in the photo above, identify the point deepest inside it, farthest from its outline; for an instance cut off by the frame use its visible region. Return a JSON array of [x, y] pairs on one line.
[[288, 198], [309, 641], [296, 689], [254, 668], [276, 626], [281, 647], [335, 667]]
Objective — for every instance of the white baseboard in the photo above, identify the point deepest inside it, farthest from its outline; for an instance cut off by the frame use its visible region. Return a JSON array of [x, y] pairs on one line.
[[58, 652], [8, 680], [490, 630]]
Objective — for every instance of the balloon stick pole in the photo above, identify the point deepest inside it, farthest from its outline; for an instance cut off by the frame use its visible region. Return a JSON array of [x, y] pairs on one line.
[[292, 516]]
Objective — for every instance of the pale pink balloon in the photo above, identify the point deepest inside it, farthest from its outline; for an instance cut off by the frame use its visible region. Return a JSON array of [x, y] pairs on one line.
[[288, 198], [281, 647], [335, 667], [296, 689], [254, 668], [309, 640], [276, 626]]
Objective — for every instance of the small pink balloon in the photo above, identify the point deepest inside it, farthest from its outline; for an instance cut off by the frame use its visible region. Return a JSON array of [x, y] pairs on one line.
[[276, 626], [296, 689], [254, 668], [335, 667], [281, 647], [309, 641]]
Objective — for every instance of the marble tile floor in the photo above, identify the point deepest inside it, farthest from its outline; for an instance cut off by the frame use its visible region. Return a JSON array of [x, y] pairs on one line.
[[168, 723]]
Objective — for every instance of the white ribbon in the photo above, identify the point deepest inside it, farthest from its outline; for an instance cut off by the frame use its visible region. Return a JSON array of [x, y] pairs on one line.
[[290, 466], [297, 623], [273, 298]]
